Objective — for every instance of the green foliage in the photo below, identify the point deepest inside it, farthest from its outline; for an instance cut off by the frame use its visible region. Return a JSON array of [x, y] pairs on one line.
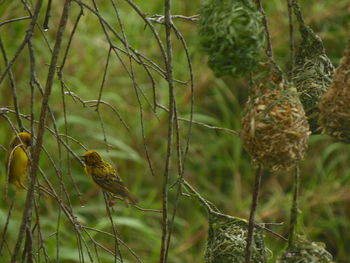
[[231, 33]]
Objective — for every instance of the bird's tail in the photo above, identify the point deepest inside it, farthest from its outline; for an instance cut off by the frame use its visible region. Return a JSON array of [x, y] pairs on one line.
[[128, 197], [131, 198]]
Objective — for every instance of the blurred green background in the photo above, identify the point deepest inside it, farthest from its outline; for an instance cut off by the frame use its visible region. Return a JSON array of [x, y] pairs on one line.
[[217, 165]]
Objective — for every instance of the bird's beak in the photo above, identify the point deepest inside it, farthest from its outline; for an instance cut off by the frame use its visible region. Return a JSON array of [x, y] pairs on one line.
[[82, 158]]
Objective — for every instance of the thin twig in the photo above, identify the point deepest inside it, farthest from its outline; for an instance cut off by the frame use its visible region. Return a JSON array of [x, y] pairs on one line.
[[5, 110], [33, 81], [202, 123], [42, 32], [169, 69], [213, 210], [147, 209], [121, 241], [40, 242], [251, 224], [294, 207], [3, 148], [103, 79], [3, 234], [140, 56], [29, 246], [180, 173], [47, 16], [136, 88], [291, 39], [15, 20], [299, 15], [205, 202], [81, 13], [161, 18], [138, 207], [269, 51], [84, 102], [28, 36], [115, 232], [13, 87], [181, 163]]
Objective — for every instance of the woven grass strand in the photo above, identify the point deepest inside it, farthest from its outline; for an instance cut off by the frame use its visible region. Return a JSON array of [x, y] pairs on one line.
[[232, 34], [335, 103], [275, 130], [227, 241], [313, 70]]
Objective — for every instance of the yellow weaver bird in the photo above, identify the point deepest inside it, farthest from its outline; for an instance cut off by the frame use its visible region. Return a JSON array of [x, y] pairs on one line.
[[106, 177], [17, 162]]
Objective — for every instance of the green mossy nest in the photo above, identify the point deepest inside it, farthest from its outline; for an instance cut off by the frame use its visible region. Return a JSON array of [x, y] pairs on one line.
[[232, 34], [304, 251], [275, 130], [312, 75], [335, 103], [227, 241]]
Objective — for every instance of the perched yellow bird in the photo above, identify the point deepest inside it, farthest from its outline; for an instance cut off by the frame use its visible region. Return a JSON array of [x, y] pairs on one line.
[[17, 160], [106, 177]]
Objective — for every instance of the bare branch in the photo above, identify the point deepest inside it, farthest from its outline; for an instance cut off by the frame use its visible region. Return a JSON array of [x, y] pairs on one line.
[[169, 69], [37, 149]]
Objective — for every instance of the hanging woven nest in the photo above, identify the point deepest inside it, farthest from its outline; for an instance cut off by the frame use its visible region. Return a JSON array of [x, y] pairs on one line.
[[275, 130], [304, 251], [335, 103], [232, 34], [227, 241], [313, 72]]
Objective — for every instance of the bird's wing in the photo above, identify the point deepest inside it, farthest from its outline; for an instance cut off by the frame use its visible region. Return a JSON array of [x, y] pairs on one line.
[[109, 180]]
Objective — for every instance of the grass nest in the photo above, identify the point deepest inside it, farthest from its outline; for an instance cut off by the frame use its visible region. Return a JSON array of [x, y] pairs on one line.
[[232, 34], [227, 241], [335, 103], [312, 77], [304, 251], [275, 130]]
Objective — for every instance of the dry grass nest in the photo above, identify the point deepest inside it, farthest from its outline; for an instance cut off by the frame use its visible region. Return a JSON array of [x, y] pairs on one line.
[[275, 130], [335, 103]]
